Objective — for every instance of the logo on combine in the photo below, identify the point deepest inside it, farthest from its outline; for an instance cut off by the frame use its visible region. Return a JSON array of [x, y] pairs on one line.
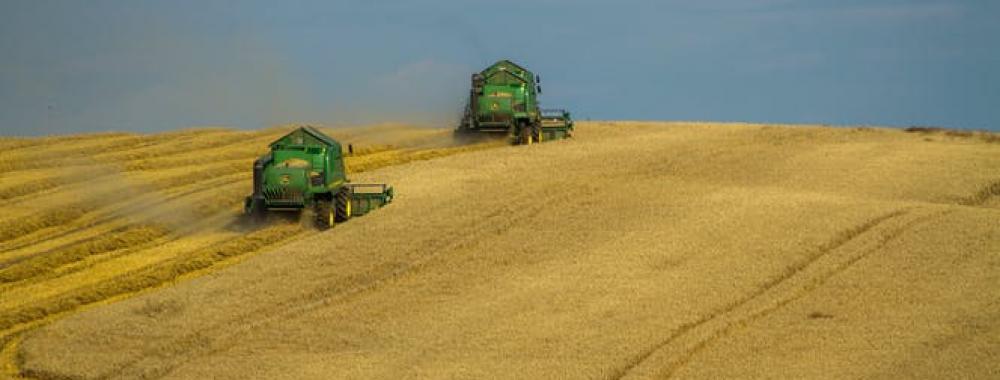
[[495, 106], [285, 179]]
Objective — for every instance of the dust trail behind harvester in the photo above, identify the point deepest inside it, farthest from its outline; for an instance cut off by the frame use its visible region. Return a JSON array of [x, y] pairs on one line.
[[134, 201]]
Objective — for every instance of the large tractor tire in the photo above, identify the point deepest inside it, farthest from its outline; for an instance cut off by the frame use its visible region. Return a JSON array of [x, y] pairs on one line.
[[525, 135], [343, 205], [325, 214]]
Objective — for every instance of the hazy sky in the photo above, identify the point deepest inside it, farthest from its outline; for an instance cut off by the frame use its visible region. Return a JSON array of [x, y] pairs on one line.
[[70, 66]]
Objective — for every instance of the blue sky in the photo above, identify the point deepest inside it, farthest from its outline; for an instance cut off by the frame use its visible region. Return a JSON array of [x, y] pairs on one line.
[[74, 66]]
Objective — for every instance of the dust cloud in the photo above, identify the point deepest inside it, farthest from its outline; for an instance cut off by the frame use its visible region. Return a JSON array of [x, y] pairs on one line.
[[119, 196]]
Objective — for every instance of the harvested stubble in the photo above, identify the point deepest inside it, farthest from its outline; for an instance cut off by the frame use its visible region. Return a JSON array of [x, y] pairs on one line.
[[19, 189], [149, 277], [636, 250], [45, 262]]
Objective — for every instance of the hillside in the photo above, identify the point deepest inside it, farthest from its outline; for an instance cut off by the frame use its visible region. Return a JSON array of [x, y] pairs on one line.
[[635, 250], [95, 218]]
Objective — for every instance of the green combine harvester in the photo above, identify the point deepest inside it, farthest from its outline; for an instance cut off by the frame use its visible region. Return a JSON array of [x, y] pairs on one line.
[[305, 169], [504, 100]]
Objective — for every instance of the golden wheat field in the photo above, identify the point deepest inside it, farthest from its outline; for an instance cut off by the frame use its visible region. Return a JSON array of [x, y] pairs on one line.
[[636, 250], [95, 218]]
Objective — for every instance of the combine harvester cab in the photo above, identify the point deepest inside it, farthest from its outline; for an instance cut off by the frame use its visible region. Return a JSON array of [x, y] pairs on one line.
[[504, 100], [305, 169]]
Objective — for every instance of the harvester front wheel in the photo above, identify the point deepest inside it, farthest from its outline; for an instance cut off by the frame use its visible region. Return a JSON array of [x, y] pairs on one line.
[[525, 136], [325, 215], [343, 209]]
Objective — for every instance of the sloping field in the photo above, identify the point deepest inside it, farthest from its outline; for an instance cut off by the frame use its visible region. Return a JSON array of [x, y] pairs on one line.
[[636, 250], [94, 218]]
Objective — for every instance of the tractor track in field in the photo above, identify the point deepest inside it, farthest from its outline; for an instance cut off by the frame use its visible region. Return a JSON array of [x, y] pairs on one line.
[[219, 337], [142, 279], [11, 336], [163, 237], [109, 216], [796, 282], [114, 233], [983, 196]]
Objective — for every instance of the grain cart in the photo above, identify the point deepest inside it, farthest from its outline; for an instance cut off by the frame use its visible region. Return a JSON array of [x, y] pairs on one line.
[[305, 169], [504, 100]]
